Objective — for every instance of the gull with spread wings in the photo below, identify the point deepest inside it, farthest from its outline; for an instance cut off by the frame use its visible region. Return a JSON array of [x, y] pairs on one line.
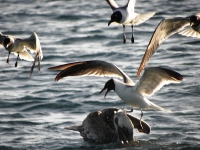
[[165, 29], [152, 80], [20, 46]]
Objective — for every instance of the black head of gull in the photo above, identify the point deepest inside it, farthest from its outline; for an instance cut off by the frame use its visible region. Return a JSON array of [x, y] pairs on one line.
[[126, 15], [115, 17], [194, 21], [109, 85], [99, 126], [6, 42]]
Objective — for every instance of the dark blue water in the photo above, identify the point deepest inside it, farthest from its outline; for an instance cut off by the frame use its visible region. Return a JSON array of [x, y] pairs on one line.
[[34, 111]]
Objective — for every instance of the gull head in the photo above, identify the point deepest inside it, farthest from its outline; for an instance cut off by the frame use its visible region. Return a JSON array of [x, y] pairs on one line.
[[115, 17], [194, 21], [7, 42], [110, 85]]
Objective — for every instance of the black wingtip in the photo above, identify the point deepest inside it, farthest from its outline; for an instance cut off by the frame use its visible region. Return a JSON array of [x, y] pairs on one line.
[[174, 74], [57, 78]]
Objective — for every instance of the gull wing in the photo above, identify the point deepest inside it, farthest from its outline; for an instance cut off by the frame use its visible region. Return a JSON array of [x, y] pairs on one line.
[[190, 33], [155, 78], [112, 4], [1, 39], [26, 56], [91, 68], [131, 5], [165, 29], [136, 123], [33, 44], [142, 18]]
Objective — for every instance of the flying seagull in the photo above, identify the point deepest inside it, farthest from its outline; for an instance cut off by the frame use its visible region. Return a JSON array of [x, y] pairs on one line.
[[166, 28], [152, 80], [126, 15], [20, 46]]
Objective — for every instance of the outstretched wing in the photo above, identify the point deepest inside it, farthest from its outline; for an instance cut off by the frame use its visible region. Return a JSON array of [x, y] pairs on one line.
[[91, 68], [1, 39], [165, 29], [131, 5], [112, 4], [190, 32], [155, 78], [25, 55], [142, 18], [33, 44]]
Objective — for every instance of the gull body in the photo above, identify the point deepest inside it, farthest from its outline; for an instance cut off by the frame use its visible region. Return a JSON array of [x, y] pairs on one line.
[[126, 15], [123, 126], [100, 127], [20, 46], [166, 28], [133, 94], [128, 94]]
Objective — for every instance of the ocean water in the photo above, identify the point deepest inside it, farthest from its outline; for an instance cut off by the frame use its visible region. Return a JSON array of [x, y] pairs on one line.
[[34, 111]]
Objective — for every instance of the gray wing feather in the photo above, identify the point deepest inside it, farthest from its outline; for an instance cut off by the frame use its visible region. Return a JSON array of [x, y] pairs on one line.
[[91, 68], [155, 78], [165, 29], [131, 4], [112, 4]]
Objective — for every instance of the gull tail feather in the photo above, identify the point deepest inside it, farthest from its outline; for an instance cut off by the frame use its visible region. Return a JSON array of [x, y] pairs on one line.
[[73, 127]]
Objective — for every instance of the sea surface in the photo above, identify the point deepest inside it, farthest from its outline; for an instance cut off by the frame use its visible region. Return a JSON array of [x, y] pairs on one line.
[[34, 110]]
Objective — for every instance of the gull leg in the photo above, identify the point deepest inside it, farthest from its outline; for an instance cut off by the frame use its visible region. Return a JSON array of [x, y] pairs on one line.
[[141, 119], [33, 65], [124, 36], [132, 38], [39, 59], [16, 60], [8, 59]]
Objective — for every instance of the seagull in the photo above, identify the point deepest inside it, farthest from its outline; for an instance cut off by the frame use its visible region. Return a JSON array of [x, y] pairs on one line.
[[123, 126], [152, 80], [20, 46], [100, 126], [166, 28], [126, 15]]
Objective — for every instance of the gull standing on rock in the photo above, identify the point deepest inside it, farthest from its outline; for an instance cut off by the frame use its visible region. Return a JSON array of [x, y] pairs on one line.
[[152, 80], [166, 28], [20, 46], [126, 15]]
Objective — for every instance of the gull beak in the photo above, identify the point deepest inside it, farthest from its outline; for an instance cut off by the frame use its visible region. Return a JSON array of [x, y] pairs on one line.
[[110, 22], [191, 23], [8, 45], [106, 91]]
